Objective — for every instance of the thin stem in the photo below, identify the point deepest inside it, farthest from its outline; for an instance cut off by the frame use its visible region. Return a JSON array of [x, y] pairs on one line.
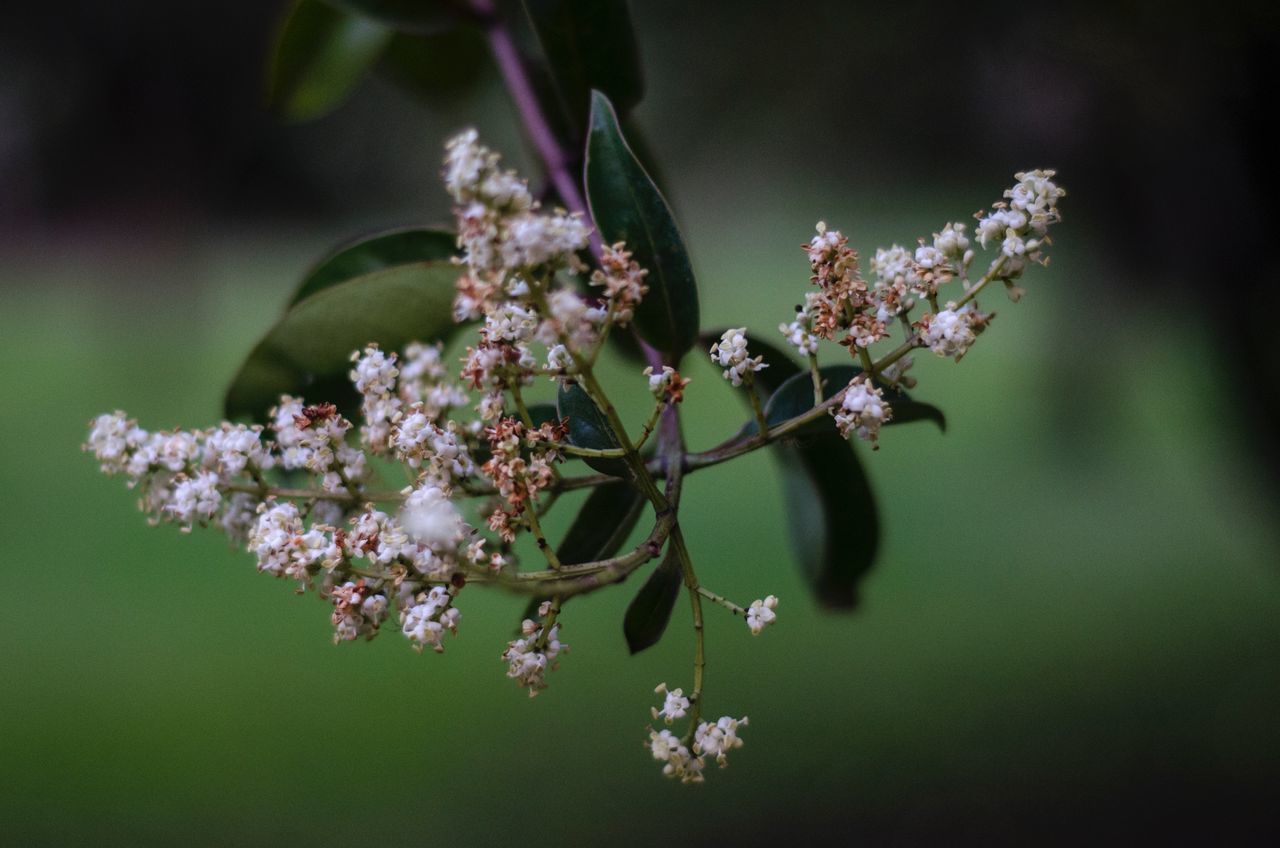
[[722, 601], [574, 450], [531, 516], [521, 408], [991, 274], [588, 576], [756, 408], [699, 642], [647, 429], [816, 374]]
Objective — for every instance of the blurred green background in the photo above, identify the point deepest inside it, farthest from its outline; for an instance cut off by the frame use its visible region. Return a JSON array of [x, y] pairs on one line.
[[1072, 631]]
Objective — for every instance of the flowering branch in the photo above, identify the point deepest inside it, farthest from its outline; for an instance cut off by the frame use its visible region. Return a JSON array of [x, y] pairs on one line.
[[483, 462]]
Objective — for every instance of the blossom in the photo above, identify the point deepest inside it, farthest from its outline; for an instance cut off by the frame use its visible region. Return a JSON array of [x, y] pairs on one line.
[[666, 385], [675, 705], [761, 614], [527, 661], [677, 762], [952, 331], [425, 622], [730, 353], [716, 740], [862, 410]]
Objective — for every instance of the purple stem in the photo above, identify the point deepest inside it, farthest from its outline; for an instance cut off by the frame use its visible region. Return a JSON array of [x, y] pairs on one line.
[[516, 77], [555, 159]]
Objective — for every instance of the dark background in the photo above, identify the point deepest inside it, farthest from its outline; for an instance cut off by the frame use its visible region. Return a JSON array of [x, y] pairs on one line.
[[1071, 634]]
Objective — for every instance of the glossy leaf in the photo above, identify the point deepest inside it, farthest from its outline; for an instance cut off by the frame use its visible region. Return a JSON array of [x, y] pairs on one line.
[[650, 610], [320, 56], [588, 428], [589, 44], [308, 351], [831, 516], [627, 206], [601, 527], [418, 16], [377, 253]]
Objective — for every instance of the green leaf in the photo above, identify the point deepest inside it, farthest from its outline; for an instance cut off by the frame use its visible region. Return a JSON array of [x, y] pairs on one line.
[[308, 351], [831, 515], [602, 525], [320, 56], [377, 253], [627, 206], [589, 428], [417, 16], [650, 610], [589, 44]]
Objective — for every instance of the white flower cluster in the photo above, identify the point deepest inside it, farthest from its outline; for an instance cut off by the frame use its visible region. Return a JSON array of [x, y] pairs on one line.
[[426, 621], [1021, 224], [500, 229], [530, 657], [843, 303], [862, 410], [710, 739], [952, 331], [761, 614], [356, 611], [730, 353]]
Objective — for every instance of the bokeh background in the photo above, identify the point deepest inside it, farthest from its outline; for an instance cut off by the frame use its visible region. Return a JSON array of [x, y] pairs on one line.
[[1071, 634]]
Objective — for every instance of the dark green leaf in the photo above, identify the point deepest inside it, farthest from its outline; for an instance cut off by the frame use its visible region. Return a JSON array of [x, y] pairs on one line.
[[589, 428], [320, 56], [650, 610], [308, 351], [419, 16], [602, 525], [627, 206], [377, 253], [831, 515], [589, 44]]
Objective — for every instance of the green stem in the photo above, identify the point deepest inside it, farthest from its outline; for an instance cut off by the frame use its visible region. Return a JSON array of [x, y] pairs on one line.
[[816, 374]]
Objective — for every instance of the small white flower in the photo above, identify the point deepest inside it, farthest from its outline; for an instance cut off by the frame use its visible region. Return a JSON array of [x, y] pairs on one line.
[[761, 614], [375, 372], [716, 740], [952, 331], [862, 410], [730, 353], [675, 706], [195, 499], [677, 762]]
